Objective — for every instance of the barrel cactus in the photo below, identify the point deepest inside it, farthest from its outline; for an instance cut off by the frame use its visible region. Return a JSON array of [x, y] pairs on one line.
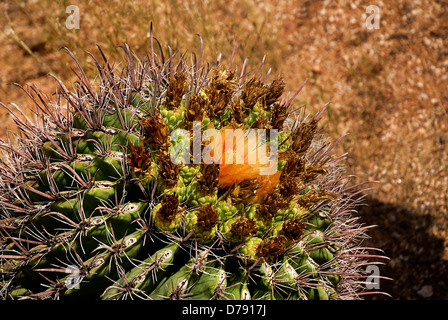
[[119, 190]]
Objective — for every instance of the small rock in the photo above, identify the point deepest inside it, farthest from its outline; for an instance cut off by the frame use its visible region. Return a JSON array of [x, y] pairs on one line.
[[426, 291], [316, 69], [423, 96]]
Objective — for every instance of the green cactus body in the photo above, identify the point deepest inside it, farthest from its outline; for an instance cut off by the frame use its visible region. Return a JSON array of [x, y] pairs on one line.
[[144, 277], [93, 206]]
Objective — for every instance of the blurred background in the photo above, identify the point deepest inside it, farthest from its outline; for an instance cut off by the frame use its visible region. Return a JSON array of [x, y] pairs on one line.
[[383, 72]]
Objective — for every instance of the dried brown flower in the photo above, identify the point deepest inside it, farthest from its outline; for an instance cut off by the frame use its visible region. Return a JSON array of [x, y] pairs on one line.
[[270, 204], [294, 167], [169, 172], [208, 178], [139, 159], [170, 208], [155, 131], [303, 136], [207, 217], [274, 91], [279, 113], [243, 227], [245, 191], [314, 197], [293, 229], [195, 109], [239, 112], [253, 90], [176, 90], [261, 123], [272, 248], [220, 91]]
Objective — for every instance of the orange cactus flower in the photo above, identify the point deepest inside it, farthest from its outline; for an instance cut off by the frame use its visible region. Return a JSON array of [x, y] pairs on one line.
[[243, 157]]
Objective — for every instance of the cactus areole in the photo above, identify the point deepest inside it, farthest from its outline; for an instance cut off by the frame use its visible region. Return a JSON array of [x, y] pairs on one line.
[[173, 179]]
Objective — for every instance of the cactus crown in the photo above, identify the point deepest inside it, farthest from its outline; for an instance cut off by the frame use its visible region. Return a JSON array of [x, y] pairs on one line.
[[94, 204]]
